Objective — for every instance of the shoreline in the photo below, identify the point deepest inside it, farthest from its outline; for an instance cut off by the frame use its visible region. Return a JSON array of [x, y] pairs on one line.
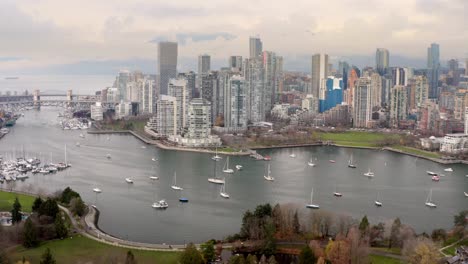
[[161, 145]]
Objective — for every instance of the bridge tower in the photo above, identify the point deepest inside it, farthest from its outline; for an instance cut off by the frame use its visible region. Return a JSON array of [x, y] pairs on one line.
[[37, 99], [69, 97]]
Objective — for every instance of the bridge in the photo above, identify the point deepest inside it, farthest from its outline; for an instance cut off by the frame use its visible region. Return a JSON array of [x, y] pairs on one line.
[[38, 99]]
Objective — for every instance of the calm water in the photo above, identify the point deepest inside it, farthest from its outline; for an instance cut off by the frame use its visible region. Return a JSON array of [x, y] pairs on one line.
[[126, 209]]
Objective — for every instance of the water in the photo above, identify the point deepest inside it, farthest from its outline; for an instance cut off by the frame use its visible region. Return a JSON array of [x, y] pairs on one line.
[[80, 84], [126, 210]]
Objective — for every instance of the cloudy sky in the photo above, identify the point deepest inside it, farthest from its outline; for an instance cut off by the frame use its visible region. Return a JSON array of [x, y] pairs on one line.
[[54, 34]]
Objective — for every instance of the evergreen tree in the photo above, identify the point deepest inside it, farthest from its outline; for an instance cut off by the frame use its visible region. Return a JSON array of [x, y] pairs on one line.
[[47, 257], [67, 195], [130, 258], [49, 208], [460, 219], [364, 225], [306, 256], [272, 260], [394, 233], [237, 259], [251, 259], [77, 206], [60, 228], [30, 238], [296, 225], [208, 251], [191, 255], [16, 212], [37, 204]]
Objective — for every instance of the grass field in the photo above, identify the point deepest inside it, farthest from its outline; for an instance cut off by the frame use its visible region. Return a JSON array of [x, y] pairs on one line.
[[451, 250], [356, 139], [417, 151], [137, 125], [84, 250], [7, 199], [383, 260]]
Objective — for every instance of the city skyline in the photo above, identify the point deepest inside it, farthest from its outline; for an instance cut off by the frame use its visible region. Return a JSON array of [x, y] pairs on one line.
[[125, 35]]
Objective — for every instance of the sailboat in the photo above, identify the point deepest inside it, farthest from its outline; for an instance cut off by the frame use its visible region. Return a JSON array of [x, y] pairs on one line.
[[238, 167], [377, 201], [448, 169], [292, 155], [216, 157], [268, 177], [226, 168], [154, 177], [429, 202], [215, 179], [223, 192], [369, 173], [153, 159], [336, 193], [311, 205], [466, 194], [174, 186], [350, 163], [311, 163], [128, 180], [97, 190]]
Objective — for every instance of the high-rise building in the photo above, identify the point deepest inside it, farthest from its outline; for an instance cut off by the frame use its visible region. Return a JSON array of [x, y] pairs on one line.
[[191, 78], [270, 78], [255, 90], [147, 99], [334, 94], [210, 91], [422, 89], [235, 108], [256, 47], [454, 72], [382, 61], [199, 116], [279, 78], [121, 84], [466, 120], [362, 110], [166, 116], [343, 69], [398, 76], [311, 104], [113, 95], [319, 75], [96, 111], [398, 105], [204, 64], [167, 65], [376, 90], [235, 63], [178, 88], [433, 70]]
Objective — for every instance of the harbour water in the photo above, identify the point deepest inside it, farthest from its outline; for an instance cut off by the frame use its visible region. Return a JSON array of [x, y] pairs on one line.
[[126, 212]]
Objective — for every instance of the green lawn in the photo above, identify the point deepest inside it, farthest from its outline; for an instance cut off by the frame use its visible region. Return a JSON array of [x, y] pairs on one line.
[[417, 151], [84, 250], [137, 125], [7, 199], [374, 259], [451, 250], [356, 139]]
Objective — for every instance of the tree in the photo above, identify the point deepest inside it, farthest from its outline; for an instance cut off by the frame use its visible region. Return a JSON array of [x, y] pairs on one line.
[[30, 234], [4, 258], [49, 208], [338, 253], [296, 224], [439, 234], [461, 219], [376, 234], [67, 195], [263, 260], [60, 228], [47, 257], [263, 210], [394, 234], [364, 225], [269, 246], [191, 255], [306, 256], [251, 259], [77, 206], [237, 259], [208, 251], [37, 204], [16, 212], [272, 260], [130, 259], [422, 252]]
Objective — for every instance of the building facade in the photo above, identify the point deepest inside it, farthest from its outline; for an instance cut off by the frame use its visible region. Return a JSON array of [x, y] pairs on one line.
[[177, 88], [319, 75], [362, 110], [235, 108], [255, 47], [398, 105], [167, 65], [433, 70], [382, 61]]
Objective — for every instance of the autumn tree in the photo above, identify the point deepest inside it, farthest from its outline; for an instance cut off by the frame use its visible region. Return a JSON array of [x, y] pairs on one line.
[[296, 224], [439, 234], [237, 259], [208, 251], [358, 245], [272, 260], [376, 234], [421, 251], [306, 256], [16, 212], [394, 234], [251, 259], [338, 252], [191, 255]]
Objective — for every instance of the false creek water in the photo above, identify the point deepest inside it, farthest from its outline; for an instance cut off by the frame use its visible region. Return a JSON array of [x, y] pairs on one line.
[[126, 210]]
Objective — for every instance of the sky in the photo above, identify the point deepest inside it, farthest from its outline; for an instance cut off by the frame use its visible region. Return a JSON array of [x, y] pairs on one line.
[[75, 36]]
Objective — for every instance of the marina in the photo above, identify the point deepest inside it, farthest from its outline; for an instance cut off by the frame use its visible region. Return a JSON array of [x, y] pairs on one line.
[[101, 182]]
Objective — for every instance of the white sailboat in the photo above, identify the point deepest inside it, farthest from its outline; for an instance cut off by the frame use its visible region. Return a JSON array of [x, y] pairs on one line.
[[216, 157], [311, 205], [174, 186], [226, 168], [97, 190], [351, 163], [292, 155], [128, 180], [466, 194], [369, 173], [268, 176], [311, 163], [336, 193], [238, 167], [153, 159], [429, 202], [223, 192], [377, 201], [215, 179], [154, 177]]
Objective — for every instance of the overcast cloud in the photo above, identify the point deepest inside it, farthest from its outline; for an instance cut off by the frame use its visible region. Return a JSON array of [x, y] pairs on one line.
[[44, 33]]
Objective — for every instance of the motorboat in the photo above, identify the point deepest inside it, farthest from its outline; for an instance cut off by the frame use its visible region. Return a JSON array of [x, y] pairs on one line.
[[311, 205], [292, 155], [466, 194], [154, 159], [81, 136], [332, 161], [183, 200], [128, 180], [435, 178], [267, 158], [160, 205], [143, 147], [369, 173], [154, 178], [238, 167], [448, 169], [97, 190], [431, 173]]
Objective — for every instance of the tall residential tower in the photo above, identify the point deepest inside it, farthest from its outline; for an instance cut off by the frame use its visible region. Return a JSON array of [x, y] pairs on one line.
[[167, 65]]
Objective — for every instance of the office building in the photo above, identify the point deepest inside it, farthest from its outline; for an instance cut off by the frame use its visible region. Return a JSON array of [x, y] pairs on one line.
[[235, 63], [256, 47], [433, 70], [319, 75], [269, 78], [362, 110], [454, 72], [177, 88], [398, 76], [113, 95], [204, 64], [167, 65], [310, 103], [121, 84], [210, 91], [235, 108], [334, 94], [382, 61], [147, 97], [97, 111], [191, 78]]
